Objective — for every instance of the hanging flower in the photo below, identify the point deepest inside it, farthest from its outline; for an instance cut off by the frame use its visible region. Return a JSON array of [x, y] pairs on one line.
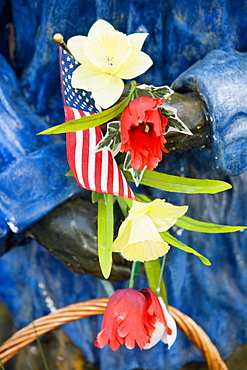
[[142, 131], [107, 56], [138, 237], [160, 333], [133, 317]]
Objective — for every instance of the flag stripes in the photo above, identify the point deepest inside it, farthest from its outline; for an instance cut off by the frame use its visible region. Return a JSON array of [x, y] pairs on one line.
[[93, 170]]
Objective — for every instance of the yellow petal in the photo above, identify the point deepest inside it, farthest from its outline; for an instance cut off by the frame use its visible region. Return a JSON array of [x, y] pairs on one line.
[[123, 236], [166, 215], [76, 46], [137, 40], [139, 209], [144, 241], [99, 26], [145, 251], [89, 77], [110, 93], [138, 63], [108, 49]]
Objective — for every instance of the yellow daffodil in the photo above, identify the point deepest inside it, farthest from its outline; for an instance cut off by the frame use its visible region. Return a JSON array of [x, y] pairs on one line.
[[138, 238], [106, 57]]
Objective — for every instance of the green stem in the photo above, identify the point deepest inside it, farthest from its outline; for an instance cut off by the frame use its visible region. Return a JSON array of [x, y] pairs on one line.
[[161, 279], [151, 94], [42, 355], [1, 364], [134, 272], [109, 288], [132, 275]]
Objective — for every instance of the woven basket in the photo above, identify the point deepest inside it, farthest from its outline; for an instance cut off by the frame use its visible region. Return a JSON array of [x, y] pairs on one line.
[[96, 307]]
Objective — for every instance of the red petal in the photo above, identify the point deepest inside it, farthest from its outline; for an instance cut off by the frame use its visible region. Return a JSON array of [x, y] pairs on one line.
[[125, 321], [155, 311], [145, 147]]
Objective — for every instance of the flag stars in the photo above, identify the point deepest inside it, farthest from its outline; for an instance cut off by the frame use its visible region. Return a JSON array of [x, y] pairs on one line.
[[76, 98]]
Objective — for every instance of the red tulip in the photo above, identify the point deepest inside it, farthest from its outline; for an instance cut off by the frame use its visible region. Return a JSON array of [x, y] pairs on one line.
[[130, 318], [142, 130]]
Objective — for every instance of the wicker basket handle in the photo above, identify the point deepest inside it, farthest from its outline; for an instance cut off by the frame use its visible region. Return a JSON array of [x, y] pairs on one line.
[[93, 307]]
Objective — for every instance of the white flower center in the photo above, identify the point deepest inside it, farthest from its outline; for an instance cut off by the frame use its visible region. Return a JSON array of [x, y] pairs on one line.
[[108, 50]]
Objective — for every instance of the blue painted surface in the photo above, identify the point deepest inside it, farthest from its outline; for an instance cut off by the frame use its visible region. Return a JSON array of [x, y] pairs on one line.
[[32, 167]]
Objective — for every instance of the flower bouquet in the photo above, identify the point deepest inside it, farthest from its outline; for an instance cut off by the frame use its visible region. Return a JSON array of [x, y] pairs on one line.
[[112, 140]]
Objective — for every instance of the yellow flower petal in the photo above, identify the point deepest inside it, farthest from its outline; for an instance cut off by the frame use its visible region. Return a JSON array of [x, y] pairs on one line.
[[108, 49], [110, 93], [123, 236], [137, 40], [144, 241], [89, 77], [139, 209], [76, 46], [166, 215], [145, 251], [99, 26], [138, 63]]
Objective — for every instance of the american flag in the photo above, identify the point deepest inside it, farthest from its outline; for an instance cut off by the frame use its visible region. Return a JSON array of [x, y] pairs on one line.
[[97, 171]]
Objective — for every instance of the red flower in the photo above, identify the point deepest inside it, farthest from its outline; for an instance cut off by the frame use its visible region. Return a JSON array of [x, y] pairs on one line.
[[131, 318], [142, 130]]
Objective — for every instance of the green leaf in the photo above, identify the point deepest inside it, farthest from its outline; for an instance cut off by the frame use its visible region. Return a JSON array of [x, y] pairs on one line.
[[174, 122], [95, 196], [157, 92], [93, 120], [178, 184], [206, 227], [136, 174], [105, 233], [143, 198], [69, 173], [112, 138], [152, 269], [167, 237], [123, 206]]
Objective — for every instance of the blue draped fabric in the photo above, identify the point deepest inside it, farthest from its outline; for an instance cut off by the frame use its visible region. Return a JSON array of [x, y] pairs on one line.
[[201, 45]]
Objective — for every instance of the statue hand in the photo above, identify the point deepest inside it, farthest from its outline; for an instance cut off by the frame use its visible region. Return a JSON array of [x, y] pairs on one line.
[[192, 111]]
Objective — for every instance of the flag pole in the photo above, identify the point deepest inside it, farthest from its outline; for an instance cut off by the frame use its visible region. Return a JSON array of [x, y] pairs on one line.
[[58, 38]]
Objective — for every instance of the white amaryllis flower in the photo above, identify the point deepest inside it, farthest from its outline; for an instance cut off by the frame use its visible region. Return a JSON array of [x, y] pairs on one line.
[[106, 57], [160, 332]]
